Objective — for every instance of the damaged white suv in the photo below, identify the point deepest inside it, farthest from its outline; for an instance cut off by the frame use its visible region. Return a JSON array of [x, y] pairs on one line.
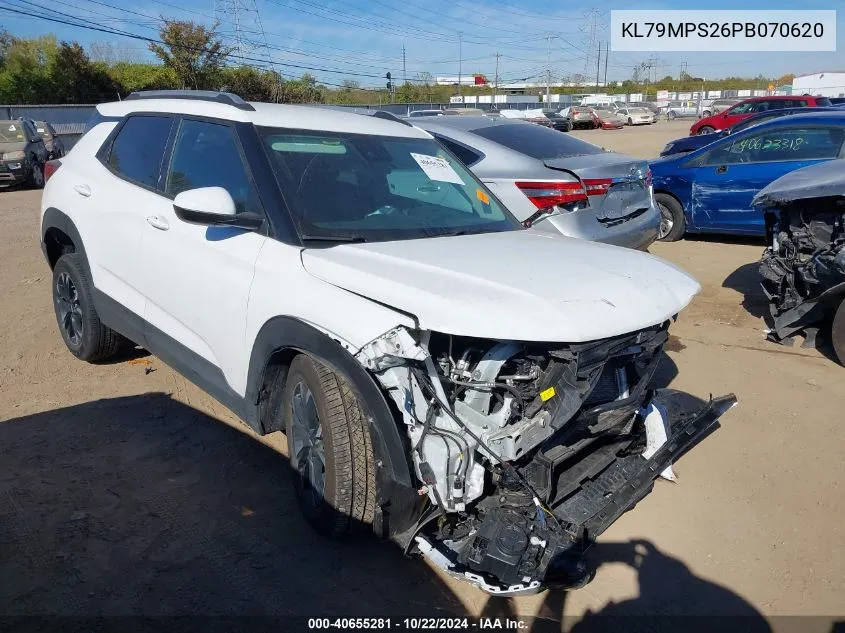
[[473, 390]]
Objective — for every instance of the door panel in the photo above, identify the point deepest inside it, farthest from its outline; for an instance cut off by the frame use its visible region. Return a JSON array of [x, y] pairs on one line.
[[197, 278], [736, 170], [118, 192]]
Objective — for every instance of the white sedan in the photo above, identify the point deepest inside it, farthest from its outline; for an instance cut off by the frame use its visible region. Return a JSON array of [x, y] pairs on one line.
[[636, 116]]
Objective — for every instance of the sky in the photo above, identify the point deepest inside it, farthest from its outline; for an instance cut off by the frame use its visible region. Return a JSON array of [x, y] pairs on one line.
[[361, 40]]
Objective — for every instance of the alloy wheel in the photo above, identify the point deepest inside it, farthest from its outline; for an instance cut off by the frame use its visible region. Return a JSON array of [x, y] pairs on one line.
[[666, 221], [69, 309], [306, 444]]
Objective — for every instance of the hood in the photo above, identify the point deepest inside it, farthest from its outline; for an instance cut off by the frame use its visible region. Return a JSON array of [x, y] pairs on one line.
[[519, 285], [816, 181]]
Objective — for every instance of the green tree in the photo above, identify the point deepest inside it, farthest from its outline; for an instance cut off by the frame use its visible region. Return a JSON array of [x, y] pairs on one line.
[[194, 53], [76, 80], [26, 76], [131, 77]]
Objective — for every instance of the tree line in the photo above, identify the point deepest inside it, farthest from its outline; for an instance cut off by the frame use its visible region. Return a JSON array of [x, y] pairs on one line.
[[44, 70]]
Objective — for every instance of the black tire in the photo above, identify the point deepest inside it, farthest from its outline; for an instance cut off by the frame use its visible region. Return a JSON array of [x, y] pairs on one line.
[[672, 115], [672, 223], [36, 176], [837, 333], [84, 334], [630, 121], [347, 500], [707, 129]]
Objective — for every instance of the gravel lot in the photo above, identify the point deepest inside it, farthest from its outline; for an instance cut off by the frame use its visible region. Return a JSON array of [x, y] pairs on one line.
[[126, 491]]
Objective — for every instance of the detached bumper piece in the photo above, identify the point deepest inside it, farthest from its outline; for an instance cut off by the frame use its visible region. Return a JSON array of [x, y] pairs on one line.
[[583, 486]]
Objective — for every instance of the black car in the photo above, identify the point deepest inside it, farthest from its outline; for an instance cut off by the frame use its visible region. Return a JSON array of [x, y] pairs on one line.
[[558, 121], [52, 141], [22, 154], [837, 101], [692, 143]]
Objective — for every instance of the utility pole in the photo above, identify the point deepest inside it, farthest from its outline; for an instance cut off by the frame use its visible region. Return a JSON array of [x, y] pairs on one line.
[[404, 73], [683, 72], [548, 68], [598, 66], [606, 52], [496, 80], [460, 59]]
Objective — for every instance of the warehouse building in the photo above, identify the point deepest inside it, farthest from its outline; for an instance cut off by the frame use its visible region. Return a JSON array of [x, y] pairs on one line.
[[824, 84]]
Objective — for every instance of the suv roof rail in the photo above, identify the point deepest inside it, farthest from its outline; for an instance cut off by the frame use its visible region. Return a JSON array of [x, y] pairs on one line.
[[389, 116], [226, 98]]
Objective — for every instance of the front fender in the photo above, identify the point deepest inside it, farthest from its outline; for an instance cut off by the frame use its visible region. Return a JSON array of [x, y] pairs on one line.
[[398, 502]]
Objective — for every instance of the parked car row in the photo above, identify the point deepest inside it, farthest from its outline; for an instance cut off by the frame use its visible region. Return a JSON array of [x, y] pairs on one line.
[[25, 147], [450, 374]]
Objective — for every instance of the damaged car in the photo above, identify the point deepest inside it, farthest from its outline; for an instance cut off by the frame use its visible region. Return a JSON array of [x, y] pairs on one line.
[[480, 393], [803, 268]]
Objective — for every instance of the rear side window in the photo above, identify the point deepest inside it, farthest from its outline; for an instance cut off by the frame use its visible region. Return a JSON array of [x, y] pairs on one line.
[[823, 102], [138, 149], [536, 141], [784, 144], [464, 154]]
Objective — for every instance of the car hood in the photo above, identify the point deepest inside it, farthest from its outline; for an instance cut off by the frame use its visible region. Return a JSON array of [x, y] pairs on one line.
[[519, 285]]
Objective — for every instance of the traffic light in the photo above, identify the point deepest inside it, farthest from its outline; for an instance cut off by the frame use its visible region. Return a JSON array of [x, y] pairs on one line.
[[389, 82]]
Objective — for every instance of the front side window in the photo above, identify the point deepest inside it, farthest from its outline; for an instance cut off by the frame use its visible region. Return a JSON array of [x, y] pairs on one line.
[[784, 144], [374, 188], [138, 149], [208, 155]]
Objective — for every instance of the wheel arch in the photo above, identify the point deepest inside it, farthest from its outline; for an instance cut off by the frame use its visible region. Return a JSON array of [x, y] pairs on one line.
[[278, 342], [675, 197], [58, 234]]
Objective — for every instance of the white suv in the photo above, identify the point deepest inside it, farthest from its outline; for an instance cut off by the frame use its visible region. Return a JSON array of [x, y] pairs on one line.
[[473, 390]]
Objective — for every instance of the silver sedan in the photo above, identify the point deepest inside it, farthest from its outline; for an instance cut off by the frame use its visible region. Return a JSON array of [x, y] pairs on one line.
[[553, 181]]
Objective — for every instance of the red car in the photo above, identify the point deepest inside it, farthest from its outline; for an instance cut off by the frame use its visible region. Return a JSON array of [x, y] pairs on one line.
[[754, 105]]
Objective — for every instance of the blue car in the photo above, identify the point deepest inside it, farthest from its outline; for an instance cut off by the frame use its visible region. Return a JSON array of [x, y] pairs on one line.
[[710, 190], [697, 141]]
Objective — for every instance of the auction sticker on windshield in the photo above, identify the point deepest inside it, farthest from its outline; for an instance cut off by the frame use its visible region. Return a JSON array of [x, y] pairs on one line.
[[437, 168]]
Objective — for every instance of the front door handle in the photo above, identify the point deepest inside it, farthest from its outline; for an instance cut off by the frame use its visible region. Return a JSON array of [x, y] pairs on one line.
[[82, 190], [158, 222], [721, 169]]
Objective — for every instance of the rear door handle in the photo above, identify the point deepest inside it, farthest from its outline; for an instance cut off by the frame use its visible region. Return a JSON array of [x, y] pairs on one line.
[[158, 222], [82, 190], [721, 169]]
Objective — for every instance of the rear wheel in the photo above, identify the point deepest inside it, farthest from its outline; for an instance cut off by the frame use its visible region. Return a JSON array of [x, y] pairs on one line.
[[630, 121], [672, 221], [84, 334], [36, 176], [672, 115], [837, 333], [329, 447], [706, 130]]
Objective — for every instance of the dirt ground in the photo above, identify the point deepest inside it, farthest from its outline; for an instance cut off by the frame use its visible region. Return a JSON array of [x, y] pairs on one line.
[[124, 490]]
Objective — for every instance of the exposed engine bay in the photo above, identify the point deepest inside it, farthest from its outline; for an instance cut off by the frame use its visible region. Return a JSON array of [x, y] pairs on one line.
[[528, 451], [803, 271]]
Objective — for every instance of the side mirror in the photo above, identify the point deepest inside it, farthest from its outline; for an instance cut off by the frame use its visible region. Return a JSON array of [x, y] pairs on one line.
[[213, 206]]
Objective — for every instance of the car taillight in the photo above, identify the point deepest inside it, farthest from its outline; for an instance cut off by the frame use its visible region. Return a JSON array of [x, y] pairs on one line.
[[50, 168], [550, 194], [648, 178], [597, 186]]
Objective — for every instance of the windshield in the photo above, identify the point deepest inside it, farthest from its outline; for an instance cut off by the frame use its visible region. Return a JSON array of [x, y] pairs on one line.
[[12, 132], [354, 187], [536, 141]]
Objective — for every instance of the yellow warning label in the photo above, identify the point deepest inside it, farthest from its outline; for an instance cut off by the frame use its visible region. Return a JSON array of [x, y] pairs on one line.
[[547, 394], [482, 196]]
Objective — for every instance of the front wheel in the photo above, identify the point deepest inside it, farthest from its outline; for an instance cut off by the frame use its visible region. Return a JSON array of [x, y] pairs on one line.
[[672, 115], [672, 221], [837, 333], [630, 121], [706, 130], [329, 449]]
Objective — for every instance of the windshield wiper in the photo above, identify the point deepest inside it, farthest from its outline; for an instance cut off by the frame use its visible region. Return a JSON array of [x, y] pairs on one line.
[[346, 239]]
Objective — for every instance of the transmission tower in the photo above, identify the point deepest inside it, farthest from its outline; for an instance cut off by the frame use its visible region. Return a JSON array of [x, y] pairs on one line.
[[239, 25], [593, 22]]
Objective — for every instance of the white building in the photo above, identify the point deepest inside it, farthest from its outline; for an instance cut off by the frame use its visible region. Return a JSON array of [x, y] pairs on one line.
[[829, 83]]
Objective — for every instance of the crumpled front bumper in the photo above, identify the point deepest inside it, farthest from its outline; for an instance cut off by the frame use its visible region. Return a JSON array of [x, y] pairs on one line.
[[588, 491]]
